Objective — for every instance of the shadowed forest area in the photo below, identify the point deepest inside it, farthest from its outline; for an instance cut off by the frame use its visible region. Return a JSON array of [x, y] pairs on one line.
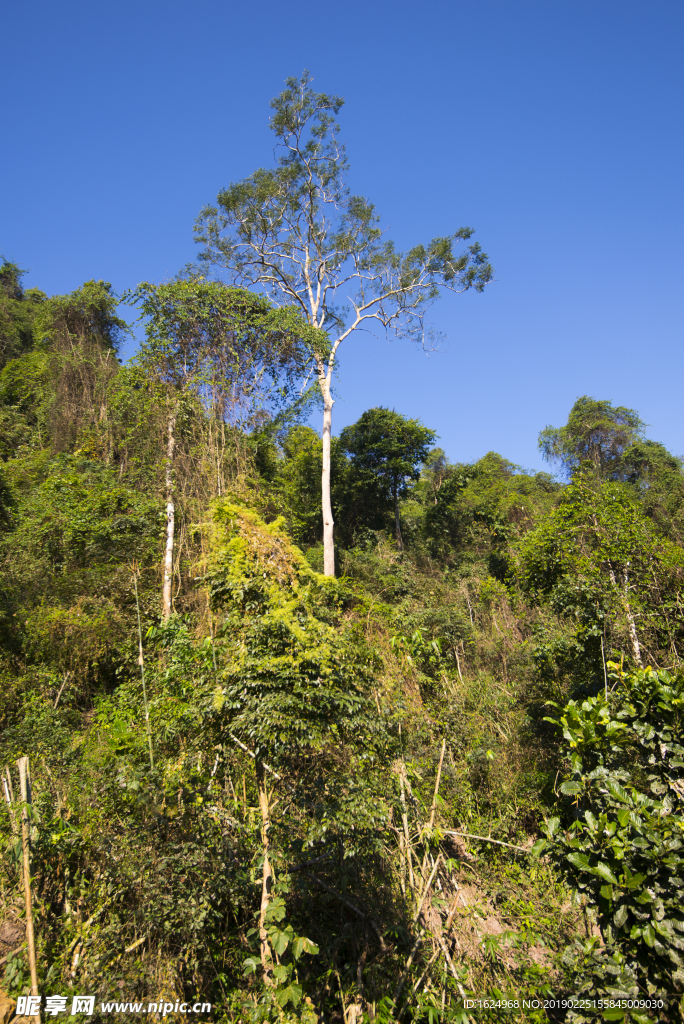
[[452, 771]]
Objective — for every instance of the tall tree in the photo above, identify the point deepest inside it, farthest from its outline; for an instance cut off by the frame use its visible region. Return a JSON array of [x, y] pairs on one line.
[[389, 448], [82, 334], [229, 349], [17, 310], [297, 232], [597, 559], [657, 476], [596, 436]]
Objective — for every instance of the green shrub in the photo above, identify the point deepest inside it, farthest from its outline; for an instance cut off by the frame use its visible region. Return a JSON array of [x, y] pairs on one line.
[[624, 850]]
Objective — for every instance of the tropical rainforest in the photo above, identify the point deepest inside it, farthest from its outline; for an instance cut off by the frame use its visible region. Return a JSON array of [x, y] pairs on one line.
[[442, 782]]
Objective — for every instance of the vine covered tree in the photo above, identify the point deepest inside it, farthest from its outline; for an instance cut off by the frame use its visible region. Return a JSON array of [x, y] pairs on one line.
[[297, 232], [17, 308]]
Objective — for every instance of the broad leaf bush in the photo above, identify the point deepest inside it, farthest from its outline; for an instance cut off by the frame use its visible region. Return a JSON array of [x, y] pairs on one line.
[[624, 850]]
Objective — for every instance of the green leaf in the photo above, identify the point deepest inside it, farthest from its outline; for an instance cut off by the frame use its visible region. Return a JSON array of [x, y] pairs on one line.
[[620, 916], [303, 945], [250, 966], [571, 788], [616, 791], [580, 861], [280, 940], [276, 909], [604, 872], [291, 994], [538, 848]]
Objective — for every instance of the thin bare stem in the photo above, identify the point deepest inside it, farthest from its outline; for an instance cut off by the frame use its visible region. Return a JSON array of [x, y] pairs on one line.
[[23, 766], [141, 662]]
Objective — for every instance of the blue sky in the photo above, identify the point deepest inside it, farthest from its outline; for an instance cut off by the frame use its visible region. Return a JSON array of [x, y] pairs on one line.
[[554, 127]]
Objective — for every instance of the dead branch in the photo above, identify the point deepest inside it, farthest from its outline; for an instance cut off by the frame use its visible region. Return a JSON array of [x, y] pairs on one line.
[[486, 839]]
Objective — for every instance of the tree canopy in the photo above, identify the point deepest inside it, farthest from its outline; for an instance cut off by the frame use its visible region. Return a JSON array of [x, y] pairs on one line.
[[387, 450], [596, 436], [297, 232], [231, 347]]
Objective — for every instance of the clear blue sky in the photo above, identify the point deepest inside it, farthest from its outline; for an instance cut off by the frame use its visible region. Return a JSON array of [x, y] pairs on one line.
[[554, 127]]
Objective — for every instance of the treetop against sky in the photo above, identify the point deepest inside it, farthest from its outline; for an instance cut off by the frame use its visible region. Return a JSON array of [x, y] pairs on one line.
[[546, 127]]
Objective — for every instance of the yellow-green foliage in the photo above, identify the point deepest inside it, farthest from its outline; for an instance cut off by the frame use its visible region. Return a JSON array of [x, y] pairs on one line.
[[254, 565], [294, 671]]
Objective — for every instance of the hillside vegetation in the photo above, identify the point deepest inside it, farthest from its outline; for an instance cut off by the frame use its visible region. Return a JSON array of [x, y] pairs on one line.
[[453, 771]]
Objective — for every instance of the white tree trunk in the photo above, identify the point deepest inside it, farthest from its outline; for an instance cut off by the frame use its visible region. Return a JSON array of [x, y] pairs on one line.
[[634, 639], [328, 542], [636, 647], [266, 876], [170, 521]]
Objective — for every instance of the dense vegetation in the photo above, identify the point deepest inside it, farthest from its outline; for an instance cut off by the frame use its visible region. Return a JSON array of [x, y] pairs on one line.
[[453, 770]]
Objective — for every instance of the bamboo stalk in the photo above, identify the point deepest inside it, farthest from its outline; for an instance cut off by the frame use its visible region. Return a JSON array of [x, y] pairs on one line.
[[426, 890], [94, 917], [458, 665], [404, 818], [170, 520], [64, 682], [22, 765], [75, 960], [266, 876], [437, 781], [9, 797], [424, 975], [134, 945], [402, 863]]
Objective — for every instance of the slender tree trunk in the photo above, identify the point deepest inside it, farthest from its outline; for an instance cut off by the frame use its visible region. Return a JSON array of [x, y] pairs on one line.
[[328, 542], [25, 787], [267, 874], [634, 639], [170, 520], [397, 524], [636, 648], [404, 819]]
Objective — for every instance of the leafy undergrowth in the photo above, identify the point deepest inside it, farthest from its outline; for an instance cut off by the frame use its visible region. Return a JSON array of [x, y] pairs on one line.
[[405, 774], [329, 799]]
